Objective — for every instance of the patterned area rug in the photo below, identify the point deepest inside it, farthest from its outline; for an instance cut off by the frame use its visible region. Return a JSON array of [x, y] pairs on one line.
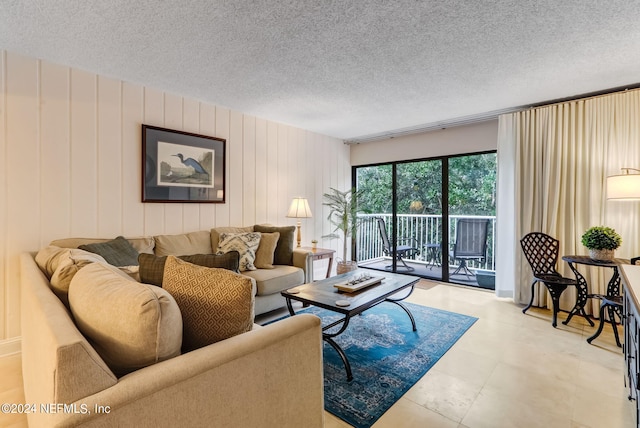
[[387, 357]]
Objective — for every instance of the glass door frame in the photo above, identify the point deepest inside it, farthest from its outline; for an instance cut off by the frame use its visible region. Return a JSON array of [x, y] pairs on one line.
[[444, 191]]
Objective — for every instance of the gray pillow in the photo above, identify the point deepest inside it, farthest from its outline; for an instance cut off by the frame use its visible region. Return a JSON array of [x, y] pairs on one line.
[[152, 267], [117, 252]]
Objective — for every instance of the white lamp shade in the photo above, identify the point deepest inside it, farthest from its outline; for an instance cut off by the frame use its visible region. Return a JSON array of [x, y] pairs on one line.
[[299, 208], [625, 186]]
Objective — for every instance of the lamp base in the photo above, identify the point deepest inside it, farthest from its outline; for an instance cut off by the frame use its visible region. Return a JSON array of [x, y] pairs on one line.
[[299, 234]]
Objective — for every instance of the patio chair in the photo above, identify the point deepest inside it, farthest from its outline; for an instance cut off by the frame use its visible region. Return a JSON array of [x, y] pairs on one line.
[[471, 243], [401, 250], [541, 251]]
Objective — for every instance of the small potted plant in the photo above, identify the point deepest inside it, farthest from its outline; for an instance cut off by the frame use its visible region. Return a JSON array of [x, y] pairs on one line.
[[314, 244], [602, 242]]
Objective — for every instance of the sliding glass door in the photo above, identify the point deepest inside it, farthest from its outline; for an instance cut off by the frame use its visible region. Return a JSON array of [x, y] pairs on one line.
[[433, 218], [401, 229], [376, 203], [418, 223], [472, 215]]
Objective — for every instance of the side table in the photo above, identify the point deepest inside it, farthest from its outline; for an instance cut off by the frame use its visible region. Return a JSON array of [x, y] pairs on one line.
[[432, 255], [320, 254]]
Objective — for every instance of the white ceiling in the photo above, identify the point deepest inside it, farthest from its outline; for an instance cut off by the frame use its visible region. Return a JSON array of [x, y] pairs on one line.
[[342, 68]]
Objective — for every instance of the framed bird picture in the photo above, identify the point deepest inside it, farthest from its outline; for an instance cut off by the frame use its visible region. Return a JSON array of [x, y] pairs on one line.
[[182, 167]]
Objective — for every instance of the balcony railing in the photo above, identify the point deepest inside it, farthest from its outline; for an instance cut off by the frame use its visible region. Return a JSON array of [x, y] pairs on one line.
[[426, 229]]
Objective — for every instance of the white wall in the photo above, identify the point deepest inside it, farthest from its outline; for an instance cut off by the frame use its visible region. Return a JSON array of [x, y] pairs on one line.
[[70, 165], [457, 140]]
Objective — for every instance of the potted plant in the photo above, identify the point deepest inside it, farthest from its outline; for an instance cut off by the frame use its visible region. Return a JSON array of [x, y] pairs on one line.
[[343, 215], [601, 242]]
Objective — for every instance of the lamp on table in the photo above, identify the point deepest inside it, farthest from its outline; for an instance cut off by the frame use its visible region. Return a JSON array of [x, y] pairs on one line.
[[625, 187], [299, 209]]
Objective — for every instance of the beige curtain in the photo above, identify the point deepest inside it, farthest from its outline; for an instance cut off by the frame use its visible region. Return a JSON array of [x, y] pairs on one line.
[[557, 158]]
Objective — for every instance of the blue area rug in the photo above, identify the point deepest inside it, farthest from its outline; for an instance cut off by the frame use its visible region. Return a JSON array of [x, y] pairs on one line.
[[387, 357]]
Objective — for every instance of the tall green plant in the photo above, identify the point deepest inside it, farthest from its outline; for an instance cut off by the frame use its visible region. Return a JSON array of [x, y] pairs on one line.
[[343, 214]]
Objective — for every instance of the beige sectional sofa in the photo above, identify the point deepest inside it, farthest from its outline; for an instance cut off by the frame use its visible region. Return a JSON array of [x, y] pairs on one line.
[[268, 376], [269, 282]]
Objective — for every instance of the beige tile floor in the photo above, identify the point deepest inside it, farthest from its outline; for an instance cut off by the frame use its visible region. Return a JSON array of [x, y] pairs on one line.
[[508, 370]]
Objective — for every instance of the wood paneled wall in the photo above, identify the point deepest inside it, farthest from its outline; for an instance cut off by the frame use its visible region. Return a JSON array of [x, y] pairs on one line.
[[70, 159]]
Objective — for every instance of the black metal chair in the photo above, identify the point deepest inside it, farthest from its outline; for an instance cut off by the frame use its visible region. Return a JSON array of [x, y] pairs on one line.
[[471, 243], [401, 250], [611, 303], [541, 251]]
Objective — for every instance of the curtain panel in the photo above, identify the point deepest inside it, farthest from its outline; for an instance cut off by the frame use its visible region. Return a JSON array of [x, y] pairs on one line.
[[553, 162]]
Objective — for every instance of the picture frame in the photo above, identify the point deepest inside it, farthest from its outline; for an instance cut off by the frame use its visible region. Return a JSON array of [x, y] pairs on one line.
[[182, 167]]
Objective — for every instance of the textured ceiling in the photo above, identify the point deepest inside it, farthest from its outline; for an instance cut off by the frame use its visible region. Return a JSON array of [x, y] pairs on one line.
[[342, 68]]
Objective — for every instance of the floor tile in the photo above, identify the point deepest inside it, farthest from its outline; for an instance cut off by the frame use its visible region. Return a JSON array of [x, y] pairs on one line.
[[407, 414], [466, 365], [493, 409], [444, 394]]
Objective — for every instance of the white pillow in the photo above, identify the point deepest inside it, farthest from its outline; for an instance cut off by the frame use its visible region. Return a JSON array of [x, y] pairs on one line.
[[244, 243]]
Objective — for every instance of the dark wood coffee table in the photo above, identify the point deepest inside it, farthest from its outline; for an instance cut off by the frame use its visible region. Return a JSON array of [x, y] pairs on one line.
[[324, 295]]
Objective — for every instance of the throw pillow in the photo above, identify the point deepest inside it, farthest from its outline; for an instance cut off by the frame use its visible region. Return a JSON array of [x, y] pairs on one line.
[[152, 267], [117, 252], [61, 264], [266, 250], [284, 250], [216, 231], [52, 258], [130, 325], [215, 303], [244, 243]]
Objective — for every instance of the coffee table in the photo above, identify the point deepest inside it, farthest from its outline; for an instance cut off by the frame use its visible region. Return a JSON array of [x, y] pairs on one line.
[[324, 295]]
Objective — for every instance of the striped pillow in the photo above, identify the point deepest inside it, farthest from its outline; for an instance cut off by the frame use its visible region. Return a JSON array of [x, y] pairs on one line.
[[152, 267]]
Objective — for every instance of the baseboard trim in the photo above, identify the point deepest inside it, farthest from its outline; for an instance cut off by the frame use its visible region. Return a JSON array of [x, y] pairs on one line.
[[504, 293], [10, 346]]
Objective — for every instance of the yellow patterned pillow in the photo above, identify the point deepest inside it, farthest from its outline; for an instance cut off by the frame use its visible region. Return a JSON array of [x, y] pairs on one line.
[[244, 243], [215, 303]]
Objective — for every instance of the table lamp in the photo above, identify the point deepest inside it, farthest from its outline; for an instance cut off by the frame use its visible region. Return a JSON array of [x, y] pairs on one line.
[[299, 209], [625, 186]]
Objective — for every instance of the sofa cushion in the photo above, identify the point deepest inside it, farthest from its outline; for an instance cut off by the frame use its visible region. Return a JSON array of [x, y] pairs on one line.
[[244, 243], [284, 250], [51, 258], [281, 277], [117, 252], [215, 233], [266, 250], [131, 325], [183, 244], [215, 303], [61, 264], [152, 267], [143, 244]]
